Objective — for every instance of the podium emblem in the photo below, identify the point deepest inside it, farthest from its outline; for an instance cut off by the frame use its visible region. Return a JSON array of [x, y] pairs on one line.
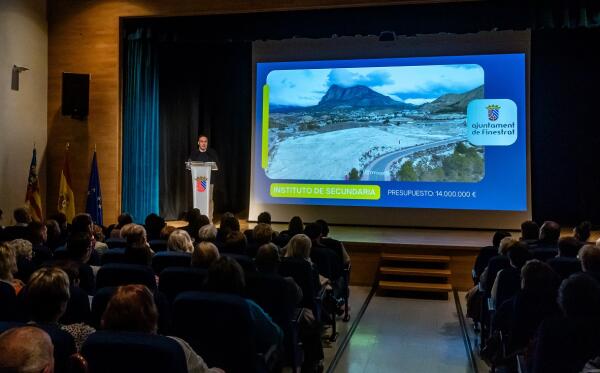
[[200, 183]]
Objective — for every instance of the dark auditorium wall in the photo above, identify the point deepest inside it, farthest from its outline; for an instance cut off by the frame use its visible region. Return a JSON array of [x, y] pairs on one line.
[[84, 37]]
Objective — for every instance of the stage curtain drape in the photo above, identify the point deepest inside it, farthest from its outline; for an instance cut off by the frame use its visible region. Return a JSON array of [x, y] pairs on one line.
[[140, 141], [205, 89]]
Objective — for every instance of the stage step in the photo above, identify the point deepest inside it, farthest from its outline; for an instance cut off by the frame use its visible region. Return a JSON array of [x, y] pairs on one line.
[[415, 286], [426, 272], [416, 258]]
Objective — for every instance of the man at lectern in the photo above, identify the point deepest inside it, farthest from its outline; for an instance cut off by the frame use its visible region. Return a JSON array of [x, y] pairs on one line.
[[205, 154]]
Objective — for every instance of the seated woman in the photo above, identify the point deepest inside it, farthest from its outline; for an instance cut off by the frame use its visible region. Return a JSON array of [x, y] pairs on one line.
[[137, 249], [24, 252], [132, 308], [181, 241], [8, 267], [46, 297]]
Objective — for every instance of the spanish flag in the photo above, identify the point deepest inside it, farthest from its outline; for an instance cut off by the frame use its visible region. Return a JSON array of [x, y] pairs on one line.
[[33, 199], [66, 200]]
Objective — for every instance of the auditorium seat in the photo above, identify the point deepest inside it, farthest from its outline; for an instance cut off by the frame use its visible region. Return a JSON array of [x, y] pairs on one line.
[[166, 259], [158, 245], [115, 243], [175, 280], [115, 352], [78, 307], [113, 256], [245, 261], [64, 345], [219, 328], [125, 274]]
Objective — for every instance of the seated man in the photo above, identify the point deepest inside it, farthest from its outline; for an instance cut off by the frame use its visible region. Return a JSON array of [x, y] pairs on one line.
[[486, 253], [547, 245], [37, 355], [566, 263], [262, 234], [79, 251], [530, 233], [508, 280], [332, 243]]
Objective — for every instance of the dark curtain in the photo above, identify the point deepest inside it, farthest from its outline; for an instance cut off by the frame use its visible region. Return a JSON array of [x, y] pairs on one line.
[[205, 88], [140, 125]]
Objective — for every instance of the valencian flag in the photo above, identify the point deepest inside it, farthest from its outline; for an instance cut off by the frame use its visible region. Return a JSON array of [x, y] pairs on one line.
[[94, 196], [33, 199], [66, 199]]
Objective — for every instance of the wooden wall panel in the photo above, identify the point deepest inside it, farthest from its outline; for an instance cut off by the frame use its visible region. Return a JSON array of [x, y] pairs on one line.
[[84, 38]]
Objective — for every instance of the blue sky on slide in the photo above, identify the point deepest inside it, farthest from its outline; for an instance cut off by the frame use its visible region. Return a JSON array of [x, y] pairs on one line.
[[410, 84]]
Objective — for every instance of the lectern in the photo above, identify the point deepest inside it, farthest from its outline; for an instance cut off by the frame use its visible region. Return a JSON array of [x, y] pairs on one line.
[[202, 188]]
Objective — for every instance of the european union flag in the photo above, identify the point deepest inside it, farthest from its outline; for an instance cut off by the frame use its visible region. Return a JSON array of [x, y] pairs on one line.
[[94, 196]]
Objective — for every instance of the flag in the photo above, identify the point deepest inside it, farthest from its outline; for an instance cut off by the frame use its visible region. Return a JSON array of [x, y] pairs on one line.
[[66, 200], [33, 199], [94, 196]]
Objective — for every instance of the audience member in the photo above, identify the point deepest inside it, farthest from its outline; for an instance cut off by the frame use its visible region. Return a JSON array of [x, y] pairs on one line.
[[207, 233], [235, 243], [122, 220], [547, 245], [46, 297], [229, 223], [565, 344], [566, 263], [205, 253], [132, 309], [36, 355], [137, 249], [37, 235], [24, 252], [19, 230], [530, 233], [267, 261], [295, 226], [495, 265], [225, 275], [79, 251], [8, 267], [154, 225], [63, 224], [100, 247], [508, 280], [180, 241], [332, 243], [590, 260], [55, 239], [488, 252], [262, 234], [195, 221], [166, 232], [582, 231]]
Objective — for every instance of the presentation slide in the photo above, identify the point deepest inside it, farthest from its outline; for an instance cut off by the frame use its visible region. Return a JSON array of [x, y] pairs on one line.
[[443, 132]]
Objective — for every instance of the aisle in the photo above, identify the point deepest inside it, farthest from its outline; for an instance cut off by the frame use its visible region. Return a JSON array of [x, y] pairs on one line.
[[407, 335]]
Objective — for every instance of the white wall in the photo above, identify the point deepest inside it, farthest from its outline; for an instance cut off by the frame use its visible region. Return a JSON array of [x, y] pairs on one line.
[[23, 113]]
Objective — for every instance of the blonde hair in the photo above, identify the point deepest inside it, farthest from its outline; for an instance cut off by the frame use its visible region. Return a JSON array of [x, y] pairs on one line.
[[134, 234], [180, 240], [299, 247], [22, 248], [8, 262], [505, 245], [48, 293]]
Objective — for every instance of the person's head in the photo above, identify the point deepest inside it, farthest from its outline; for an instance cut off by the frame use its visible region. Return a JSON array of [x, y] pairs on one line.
[[299, 247], [262, 233], [538, 277], [8, 262], [166, 232], [61, 219], [205, 253], [78, 246], [180, 241], [582, 231], [137, 249], [98, 233], [498, 236], [590, 258], [324, 227], [518, 254], [549, 232], [123, 220], [505, 245], [235, 241], [530, 230], [229, 223], [202, 143], [37, 232], [267, 258], [22, 216], [568, 247], [82, 223], [124, 231], [47, 294], [579, 296], [225, 275], [208, 233], [264, 217], [313, 231], [154, 224], [36, 355], [52, 230], [132, 309], [295, 226], [22, 248]]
